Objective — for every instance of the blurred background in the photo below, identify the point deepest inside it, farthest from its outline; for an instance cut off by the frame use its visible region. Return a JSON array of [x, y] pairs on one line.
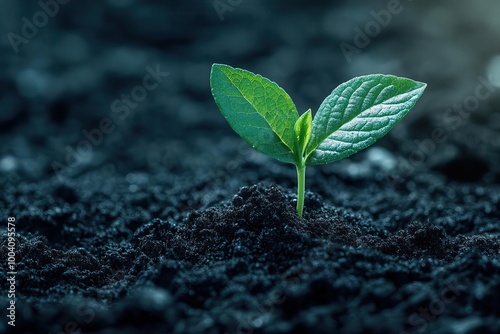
[[122, 86]]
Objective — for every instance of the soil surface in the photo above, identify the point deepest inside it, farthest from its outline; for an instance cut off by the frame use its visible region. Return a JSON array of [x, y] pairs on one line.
[[152, 216]]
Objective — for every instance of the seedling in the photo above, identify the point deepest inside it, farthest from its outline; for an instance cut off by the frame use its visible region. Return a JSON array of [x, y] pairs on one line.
[[355, 115]]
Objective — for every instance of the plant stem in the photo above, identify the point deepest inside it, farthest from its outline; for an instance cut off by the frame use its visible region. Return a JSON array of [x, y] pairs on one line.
[[301, 185]]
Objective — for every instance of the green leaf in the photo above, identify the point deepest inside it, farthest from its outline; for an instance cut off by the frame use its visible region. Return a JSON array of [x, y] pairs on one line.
[[257, 109], [303, 130], [359, 112]]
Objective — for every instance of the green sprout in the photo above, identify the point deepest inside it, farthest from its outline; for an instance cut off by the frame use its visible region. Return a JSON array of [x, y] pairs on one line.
[[355, 115]]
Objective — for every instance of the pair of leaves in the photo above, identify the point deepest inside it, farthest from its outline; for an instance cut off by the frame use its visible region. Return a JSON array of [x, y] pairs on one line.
[[355, 115]]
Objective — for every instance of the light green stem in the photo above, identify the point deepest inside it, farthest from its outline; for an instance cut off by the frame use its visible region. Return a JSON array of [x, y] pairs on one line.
[[301, 185]]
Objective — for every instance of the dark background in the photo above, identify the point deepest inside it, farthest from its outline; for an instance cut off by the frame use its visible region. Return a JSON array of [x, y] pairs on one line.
[[66, 77], [138, 208]]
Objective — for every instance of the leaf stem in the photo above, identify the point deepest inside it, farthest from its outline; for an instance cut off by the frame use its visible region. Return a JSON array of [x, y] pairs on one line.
[[301, 185]]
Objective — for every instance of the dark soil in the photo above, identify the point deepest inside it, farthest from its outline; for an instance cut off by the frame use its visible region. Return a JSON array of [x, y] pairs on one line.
[[173, 225]]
